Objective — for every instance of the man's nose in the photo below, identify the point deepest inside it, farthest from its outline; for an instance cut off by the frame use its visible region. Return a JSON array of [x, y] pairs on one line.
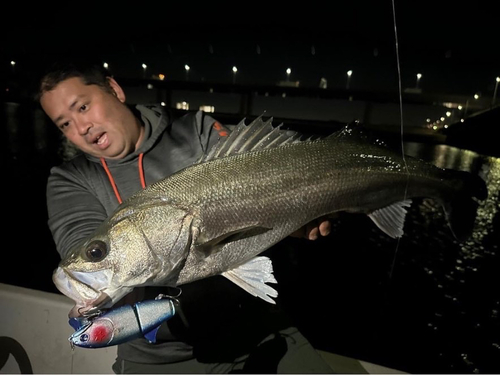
[[83, 126]]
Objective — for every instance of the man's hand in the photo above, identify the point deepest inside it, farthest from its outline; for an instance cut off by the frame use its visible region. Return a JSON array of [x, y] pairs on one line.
[[314, 229]]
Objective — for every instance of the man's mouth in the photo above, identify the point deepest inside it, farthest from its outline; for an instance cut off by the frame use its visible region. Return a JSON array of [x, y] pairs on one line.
[[101, 140]]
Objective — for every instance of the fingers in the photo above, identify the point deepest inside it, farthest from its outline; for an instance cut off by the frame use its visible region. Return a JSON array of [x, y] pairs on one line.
[[319, 227], [325, 227], [313, 230]]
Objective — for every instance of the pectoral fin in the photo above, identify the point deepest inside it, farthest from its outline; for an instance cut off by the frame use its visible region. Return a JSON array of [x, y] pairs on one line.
[[207, 244], [253, 275], [391, 219]]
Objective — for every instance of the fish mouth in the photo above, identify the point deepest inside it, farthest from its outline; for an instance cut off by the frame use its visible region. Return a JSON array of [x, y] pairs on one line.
[[85, 288], [102, 302]]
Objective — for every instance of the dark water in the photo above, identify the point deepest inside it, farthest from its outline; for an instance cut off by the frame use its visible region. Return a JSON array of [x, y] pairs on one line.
[[424, 304]]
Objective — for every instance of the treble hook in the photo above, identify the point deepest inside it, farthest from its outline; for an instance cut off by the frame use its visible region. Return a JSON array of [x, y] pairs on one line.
[[175, 298]]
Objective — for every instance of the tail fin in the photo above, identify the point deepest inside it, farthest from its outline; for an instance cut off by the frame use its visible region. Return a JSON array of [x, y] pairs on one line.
[[461, 211]]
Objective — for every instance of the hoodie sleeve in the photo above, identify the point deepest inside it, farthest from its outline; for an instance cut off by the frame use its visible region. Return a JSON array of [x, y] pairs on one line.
[[74, 212]]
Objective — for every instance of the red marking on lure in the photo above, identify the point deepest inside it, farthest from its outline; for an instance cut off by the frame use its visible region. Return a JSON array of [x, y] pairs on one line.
[[100, 333]]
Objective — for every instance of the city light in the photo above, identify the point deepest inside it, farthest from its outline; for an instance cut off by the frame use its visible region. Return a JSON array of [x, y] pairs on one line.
[[105, 65], [349, 74], [235, 69], [187, 68], [493, 101], [419, 75], [288, 72]]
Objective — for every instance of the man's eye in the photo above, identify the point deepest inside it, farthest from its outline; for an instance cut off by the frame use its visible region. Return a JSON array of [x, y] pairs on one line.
[[83, 107], [64, 125]]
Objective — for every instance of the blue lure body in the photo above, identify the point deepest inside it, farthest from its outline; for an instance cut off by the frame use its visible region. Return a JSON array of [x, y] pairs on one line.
[[116, 326]]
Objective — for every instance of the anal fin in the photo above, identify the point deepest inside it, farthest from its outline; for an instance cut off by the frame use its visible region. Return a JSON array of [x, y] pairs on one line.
[[253, 275]]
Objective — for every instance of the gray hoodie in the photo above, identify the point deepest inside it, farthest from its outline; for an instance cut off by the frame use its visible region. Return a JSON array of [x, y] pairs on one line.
[[80, 195]]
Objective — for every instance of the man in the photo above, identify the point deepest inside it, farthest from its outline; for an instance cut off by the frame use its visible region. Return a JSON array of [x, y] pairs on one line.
[[124, 150]]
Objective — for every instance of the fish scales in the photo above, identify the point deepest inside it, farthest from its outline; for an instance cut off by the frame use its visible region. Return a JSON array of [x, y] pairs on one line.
[[273, 184], [274, 188]]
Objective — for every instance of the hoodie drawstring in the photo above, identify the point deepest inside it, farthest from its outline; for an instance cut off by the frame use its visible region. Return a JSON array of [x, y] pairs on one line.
[[112, 180]]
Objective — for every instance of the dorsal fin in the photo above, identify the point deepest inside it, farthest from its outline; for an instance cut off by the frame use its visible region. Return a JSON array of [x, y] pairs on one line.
[[356, 130], [258, 135]]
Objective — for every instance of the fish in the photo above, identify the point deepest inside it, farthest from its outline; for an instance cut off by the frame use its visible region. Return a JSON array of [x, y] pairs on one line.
[[121, 324], [250, 191]]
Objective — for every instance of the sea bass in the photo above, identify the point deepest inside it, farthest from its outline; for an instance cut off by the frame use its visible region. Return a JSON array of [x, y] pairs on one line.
[[252, 190]]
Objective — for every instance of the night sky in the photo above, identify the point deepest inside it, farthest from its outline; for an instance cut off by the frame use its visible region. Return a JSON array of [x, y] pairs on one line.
[[454, 45]]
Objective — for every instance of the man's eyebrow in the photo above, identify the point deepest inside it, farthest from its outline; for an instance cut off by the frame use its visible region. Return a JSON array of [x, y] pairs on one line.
[[72, 105]]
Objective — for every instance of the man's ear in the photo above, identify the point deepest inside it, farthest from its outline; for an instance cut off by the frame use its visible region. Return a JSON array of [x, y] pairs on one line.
[[117, 89]]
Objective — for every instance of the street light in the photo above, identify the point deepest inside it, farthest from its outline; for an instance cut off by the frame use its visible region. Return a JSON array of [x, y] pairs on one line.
[[187, 71], [144, 67], [349, 74], [476, 96], [419, 75], [495, 92], [288, 72], [235, 69]]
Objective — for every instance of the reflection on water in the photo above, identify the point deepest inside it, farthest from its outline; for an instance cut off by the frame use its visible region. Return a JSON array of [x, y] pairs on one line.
[[475, 271], [477, 262], [423, 304], [444, 156], [463, 317]]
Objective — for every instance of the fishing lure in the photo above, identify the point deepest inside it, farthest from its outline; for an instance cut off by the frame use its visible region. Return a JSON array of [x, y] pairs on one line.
[[116, 326]]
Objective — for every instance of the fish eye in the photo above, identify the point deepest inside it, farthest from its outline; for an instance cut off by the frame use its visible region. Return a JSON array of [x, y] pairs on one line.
[[84, 337], [96, 251]]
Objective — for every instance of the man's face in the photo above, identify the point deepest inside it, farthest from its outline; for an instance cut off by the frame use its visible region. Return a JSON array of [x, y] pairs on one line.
[[93, 119]]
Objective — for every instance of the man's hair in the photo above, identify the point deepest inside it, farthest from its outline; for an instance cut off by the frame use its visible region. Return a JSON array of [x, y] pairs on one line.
[[90, 74]]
